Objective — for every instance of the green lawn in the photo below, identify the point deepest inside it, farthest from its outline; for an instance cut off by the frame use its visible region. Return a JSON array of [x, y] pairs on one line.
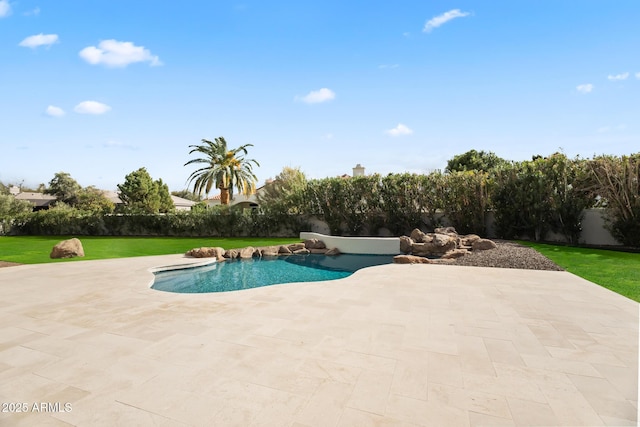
[[36, 249], [617, 271]]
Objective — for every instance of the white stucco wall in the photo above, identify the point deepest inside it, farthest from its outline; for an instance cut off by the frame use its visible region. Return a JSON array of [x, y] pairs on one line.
[[358, 245]]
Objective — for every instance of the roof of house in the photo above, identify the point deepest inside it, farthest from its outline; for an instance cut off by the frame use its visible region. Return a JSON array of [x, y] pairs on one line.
[[179, 201], [39, 199]]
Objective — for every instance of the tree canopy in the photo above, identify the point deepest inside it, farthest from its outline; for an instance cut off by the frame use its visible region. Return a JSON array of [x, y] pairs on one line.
[[223, 168], [141, 194], [64, 187], [474, 160]]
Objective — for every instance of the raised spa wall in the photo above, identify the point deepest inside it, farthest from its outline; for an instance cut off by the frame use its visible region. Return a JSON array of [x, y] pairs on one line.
[[358, 245]]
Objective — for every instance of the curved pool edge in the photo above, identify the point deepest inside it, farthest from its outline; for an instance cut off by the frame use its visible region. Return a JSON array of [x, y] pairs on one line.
[[203, 262]]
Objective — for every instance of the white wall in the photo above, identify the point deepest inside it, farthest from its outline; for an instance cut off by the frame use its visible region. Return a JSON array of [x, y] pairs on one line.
[[358, 245]]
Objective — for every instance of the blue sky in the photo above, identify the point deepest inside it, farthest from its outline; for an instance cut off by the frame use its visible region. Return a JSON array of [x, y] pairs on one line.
[[101, 88]]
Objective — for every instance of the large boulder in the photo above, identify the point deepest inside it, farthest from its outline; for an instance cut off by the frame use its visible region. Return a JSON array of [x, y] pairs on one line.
[[296, 246], [417, 235], [232, 253], [247, 253], [67, 249], [284, 250], [445, 230], [469, 239], [405, 244], [483, 245], [269, 251], [207, 252], [410, 259], [332, 252], [314, 244]]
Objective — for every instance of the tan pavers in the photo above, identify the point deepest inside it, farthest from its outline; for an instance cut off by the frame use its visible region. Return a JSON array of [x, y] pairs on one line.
[[412, 345]]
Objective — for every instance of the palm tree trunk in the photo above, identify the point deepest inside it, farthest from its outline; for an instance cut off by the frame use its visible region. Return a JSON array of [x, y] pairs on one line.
[[224, 196]]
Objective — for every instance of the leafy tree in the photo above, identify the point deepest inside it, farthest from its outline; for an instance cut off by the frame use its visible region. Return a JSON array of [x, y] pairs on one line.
[[616, 180], [10, 207], [64, 187], [141, 194], [93, 199], [474, 160], [284, 193], [225, 169]]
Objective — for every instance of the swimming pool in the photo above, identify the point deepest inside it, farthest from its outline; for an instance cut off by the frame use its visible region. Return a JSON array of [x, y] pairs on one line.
[[233, 275]]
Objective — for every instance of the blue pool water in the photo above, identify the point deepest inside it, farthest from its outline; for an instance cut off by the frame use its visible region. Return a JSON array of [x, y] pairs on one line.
[[234, 275]]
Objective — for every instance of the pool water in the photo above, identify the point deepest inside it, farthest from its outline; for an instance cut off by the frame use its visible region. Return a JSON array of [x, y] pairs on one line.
[[233, 275]]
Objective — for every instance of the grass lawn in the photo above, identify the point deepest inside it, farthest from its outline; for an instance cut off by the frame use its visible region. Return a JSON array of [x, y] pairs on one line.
[[36, 249], [617, 271]]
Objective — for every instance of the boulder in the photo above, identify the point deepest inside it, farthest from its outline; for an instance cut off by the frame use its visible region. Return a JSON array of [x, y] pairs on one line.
[[445, 230], [284, 250], [318, 251], [332, 252], [314, 244], [469, 239], [454, 254], [417, 235], [410, 259], [68, 249], [302, 251], [405, 244], [483, 245], [232, 253], [421, 249], [269, 251], [247, 253], [295, 246], [207, 252]]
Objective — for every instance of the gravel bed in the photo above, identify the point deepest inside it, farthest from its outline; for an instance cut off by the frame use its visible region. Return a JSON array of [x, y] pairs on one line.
[[509, 255]]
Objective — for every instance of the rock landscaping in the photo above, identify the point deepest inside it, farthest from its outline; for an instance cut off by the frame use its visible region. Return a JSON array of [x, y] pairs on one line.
[[444, 245], [311, 246]]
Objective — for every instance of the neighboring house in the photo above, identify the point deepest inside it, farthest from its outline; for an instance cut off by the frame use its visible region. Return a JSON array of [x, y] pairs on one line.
[[179, 203], [182, 204], [40, 201], [246, 202]]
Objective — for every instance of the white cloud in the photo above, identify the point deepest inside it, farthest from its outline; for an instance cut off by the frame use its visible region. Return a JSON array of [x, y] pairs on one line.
[[5, 8], [637, 75], [585, 88], [436, 21], [39, 40], [91, 107], [317, 96], [399, 130], [622, 76], [54, 111], [113, 53]]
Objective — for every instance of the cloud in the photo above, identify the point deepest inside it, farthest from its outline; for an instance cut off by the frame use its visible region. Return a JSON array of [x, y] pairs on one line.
[[39, 40], [5, 8], [318, 96], [638, 75], [436, 21], [622, 76], [54, 111], [399, 130], [113, 53], [91, 107], [585, 88]]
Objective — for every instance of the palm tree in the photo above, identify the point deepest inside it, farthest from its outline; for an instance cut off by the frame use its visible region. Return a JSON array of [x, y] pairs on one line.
[[223, 169]]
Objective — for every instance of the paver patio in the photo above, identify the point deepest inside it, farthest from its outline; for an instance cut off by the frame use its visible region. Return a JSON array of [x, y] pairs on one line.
[[408, 345]]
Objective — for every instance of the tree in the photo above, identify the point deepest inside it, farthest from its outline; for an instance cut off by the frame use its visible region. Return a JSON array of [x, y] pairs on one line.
[[284, 192], [141, 194], [94, 200], [224, 169], [64, 187], [474, 160]]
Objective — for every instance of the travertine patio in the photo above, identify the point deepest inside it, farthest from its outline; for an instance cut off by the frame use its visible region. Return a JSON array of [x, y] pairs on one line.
[[408, 345]]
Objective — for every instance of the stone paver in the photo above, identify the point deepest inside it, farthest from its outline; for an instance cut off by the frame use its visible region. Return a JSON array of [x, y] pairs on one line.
[[396, 345]]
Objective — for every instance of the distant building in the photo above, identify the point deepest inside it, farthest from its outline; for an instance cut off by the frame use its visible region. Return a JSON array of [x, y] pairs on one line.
[[40, 201], [358, 170]]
